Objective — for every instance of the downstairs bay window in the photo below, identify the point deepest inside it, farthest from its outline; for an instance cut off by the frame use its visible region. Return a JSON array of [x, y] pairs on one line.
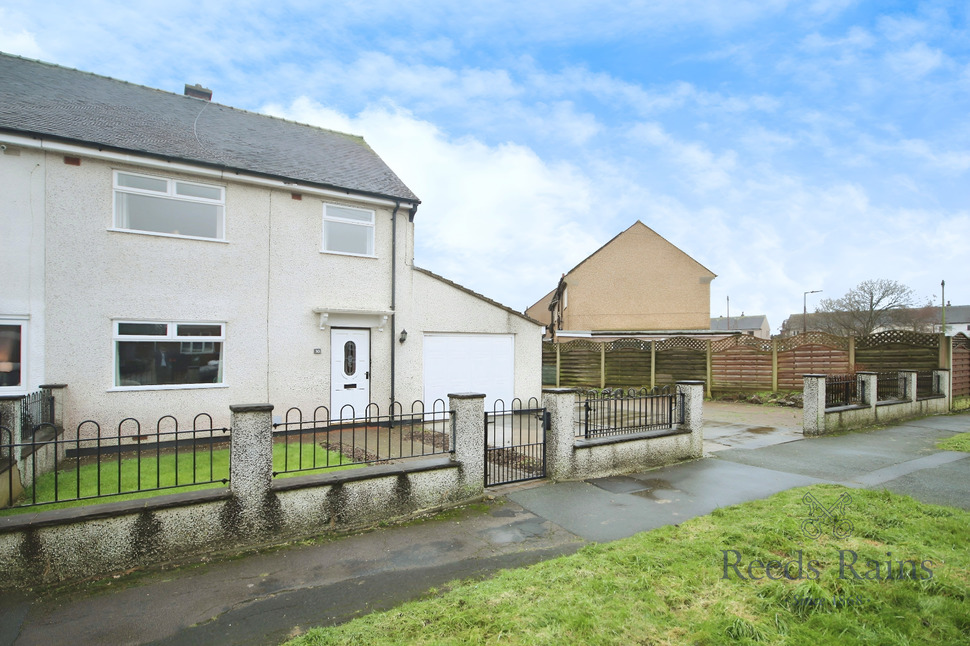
[[163, 354]]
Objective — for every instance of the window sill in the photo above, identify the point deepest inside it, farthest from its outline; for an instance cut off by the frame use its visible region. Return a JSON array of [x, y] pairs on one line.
[[124, 389], [167, 235], [344, 253]]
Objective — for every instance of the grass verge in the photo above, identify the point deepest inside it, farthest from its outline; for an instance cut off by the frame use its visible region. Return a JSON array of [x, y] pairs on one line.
[[959, 442], [668, 586]]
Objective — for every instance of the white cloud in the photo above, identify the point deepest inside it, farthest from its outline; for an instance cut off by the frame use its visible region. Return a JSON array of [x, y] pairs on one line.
[[17, 40], [916, 61], [497, 219]]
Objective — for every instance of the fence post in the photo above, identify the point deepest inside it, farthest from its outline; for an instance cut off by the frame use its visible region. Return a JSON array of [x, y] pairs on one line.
[[603, 364], [942, 377], [560, 405], [54, 392], [851, 354], [710, 366], [813, 402], [470, 434], [251, 458], [558, 364], [693, 392], [774, 365], [10, 415], [653, 363], [910, 377], [867, 384]]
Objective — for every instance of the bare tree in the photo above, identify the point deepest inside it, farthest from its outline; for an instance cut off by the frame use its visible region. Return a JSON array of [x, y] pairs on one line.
[[870, 305]]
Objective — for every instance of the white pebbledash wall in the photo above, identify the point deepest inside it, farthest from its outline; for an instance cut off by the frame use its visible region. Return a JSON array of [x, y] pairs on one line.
[[264, 282]]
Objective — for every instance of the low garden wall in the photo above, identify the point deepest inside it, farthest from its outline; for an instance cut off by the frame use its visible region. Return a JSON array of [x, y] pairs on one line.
[[817, 419], [572, 458]]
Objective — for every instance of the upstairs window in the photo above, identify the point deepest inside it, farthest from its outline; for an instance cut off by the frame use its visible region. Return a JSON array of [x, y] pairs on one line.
[[348, 230], [168, 354], [169, 206]]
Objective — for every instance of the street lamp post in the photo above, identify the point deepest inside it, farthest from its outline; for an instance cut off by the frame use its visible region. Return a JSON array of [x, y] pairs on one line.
[[805, 309]]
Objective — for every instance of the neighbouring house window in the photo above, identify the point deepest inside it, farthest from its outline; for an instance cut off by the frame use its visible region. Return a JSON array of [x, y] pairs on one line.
[[13, 351], [169, 206], [151, 354], [348, 230]]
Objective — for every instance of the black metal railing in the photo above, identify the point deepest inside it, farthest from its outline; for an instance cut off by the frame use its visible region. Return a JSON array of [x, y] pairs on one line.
[[515, 442], [890, 386], [359, 438], [36, 411], [929, 384], [621, 412], [843, 390], [130, 459]]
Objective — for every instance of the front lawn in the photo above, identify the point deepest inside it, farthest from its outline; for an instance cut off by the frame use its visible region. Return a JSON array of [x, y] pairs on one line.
[[901, 577], [113, 479]]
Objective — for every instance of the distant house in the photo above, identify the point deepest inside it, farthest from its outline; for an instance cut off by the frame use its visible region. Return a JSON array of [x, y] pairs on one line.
[[957, 320], [636, 282], [164, 253], [917, 319], [751, 325]]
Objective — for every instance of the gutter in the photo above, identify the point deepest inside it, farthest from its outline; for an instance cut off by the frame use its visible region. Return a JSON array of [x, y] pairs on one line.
[[148, 160]]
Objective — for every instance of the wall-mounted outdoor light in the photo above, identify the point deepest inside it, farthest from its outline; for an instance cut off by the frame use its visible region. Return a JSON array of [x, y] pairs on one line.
[[404, 336]]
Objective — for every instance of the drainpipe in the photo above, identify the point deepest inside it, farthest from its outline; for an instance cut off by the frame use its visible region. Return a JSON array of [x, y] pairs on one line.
[[397, 206]]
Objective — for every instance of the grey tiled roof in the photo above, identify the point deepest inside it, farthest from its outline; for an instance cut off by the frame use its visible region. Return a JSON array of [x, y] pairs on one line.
[[44, 100], [753, 322]]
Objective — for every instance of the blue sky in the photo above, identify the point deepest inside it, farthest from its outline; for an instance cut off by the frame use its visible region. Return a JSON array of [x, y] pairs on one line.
[[786, 146]]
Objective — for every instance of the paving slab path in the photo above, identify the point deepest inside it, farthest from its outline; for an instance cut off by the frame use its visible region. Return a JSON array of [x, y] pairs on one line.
[[265, 597]]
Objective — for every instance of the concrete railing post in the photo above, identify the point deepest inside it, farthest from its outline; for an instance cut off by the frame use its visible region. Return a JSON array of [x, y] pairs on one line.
[[251, 458], [813, 404], [910, 381], [941, 382], [56, 391], [693, 393], [470, 439], [10, 421], [560, 405], [867, 384]]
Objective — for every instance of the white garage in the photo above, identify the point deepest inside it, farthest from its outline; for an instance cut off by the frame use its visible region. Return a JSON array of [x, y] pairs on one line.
[[464, 363]]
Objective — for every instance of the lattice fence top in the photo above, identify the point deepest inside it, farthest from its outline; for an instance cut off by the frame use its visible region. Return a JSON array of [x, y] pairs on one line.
[[961, 341], [579, 344], [901, 337], [813, 338], [745, 341], [682, 342], [628, 344]]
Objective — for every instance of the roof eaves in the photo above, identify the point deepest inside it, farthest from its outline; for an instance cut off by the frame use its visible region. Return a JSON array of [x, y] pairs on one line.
[[476, 295]]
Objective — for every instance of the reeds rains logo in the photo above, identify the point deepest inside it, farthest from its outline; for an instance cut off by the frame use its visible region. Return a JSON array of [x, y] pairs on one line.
[[821, 517], [822, 520]]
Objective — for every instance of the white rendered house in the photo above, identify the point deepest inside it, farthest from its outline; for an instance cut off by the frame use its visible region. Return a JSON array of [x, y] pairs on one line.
[[170, 255]]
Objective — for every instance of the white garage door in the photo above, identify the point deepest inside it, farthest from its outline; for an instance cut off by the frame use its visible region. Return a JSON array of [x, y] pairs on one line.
[[464, 363]]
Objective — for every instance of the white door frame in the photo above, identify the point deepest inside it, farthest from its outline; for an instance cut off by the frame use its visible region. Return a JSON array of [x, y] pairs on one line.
[[349, 371]]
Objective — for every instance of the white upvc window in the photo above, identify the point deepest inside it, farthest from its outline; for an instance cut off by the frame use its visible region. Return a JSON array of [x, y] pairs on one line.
[[348, 230], [13, 355], [152, 355], [169, 207]]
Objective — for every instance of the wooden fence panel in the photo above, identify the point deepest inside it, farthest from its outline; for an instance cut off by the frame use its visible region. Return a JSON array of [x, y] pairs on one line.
[[741, 368], [897, 350], [628, 363], [961, 366], [548, 363], [579, 363], [681, 359]]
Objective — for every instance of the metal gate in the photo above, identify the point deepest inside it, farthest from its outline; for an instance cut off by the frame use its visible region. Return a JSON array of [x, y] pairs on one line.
[[515, 442]]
